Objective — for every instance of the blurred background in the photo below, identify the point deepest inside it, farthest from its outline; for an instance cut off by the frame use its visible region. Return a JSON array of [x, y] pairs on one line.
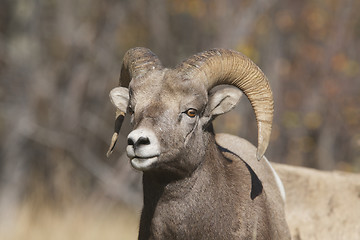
[[60, 58]]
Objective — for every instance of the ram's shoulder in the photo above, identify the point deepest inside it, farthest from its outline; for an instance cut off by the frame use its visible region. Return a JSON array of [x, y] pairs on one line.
[[236, 145], [241, 149]]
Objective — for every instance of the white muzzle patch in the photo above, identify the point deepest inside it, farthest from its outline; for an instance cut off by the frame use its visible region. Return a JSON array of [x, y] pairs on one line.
[[143, 148]]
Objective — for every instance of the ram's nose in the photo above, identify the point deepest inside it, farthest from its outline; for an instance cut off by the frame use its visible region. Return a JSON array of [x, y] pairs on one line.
[[142, 143], [138, 142]]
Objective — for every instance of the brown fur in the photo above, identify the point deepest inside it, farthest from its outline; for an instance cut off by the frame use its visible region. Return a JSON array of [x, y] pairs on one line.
[[200, 189], [222, 199]]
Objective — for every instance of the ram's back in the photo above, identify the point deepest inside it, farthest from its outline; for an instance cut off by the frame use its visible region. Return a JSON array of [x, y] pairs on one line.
[[321, 205]]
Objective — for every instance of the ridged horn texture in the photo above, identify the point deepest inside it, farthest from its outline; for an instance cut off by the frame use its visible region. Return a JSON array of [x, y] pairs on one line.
[[222, 66], [137, 62]]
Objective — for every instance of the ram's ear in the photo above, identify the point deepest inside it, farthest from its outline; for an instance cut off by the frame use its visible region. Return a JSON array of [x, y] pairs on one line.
[[119, 97], [223, 100]]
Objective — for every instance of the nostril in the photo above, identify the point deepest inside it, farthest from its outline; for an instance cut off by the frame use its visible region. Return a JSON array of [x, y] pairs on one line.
[[138, 142], [142, 141], [130, 141]]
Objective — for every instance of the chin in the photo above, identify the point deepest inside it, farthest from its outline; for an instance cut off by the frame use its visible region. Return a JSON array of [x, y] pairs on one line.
[[144, 164]]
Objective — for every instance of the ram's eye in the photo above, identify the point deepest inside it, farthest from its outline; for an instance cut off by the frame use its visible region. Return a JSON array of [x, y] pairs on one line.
[[191, 112]]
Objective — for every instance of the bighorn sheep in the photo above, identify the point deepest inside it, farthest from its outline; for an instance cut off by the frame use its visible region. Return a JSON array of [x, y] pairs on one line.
[[197, 185]]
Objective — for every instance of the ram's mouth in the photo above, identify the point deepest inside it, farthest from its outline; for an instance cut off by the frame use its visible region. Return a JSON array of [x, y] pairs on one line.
[[143, 163]]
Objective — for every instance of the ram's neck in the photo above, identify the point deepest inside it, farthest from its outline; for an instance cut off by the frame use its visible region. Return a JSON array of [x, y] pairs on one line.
[[171, 206]]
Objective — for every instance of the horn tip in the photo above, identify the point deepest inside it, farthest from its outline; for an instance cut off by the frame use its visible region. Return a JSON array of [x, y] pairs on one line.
[[261, 151], [259, 155], [112, 144], [109, 152]]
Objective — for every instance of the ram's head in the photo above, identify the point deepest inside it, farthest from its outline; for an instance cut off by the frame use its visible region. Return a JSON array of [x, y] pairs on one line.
[[172, 109]]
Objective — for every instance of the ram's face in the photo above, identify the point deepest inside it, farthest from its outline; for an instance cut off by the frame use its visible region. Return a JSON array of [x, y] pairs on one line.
[[170, 116], [165, 116]]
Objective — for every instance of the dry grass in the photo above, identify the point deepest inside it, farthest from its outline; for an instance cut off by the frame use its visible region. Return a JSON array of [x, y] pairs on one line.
[[89, 221]]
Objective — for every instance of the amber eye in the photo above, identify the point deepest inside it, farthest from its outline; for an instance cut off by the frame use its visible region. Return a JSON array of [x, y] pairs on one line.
[[191, 112]]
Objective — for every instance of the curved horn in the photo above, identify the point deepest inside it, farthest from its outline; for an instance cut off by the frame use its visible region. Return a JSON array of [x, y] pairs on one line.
[[222, 66], [137, 62]]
